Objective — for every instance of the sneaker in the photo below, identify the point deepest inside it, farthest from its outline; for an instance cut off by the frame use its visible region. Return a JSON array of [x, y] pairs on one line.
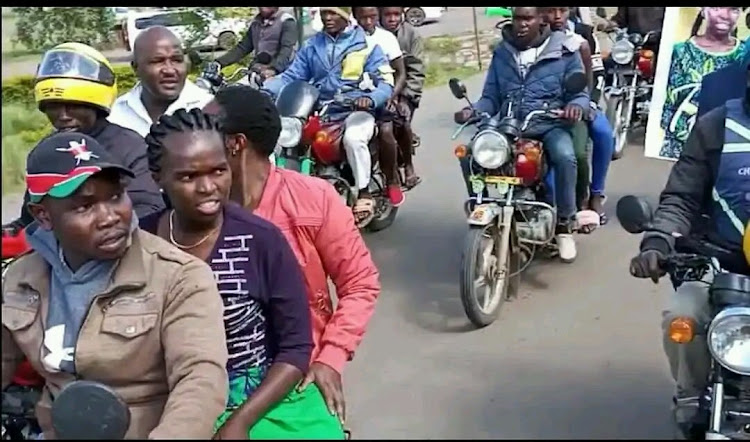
[[396, 195], [566, 246]]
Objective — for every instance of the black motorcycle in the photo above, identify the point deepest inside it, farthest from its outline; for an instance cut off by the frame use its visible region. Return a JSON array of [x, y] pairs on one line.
[[723, 410]]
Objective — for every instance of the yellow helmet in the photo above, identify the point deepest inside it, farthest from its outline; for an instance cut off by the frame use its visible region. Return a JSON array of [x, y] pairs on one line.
[[77, 73], [746, 243]]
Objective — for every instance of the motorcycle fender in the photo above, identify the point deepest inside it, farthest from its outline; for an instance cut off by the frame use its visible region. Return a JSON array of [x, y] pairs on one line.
[[484, 214]]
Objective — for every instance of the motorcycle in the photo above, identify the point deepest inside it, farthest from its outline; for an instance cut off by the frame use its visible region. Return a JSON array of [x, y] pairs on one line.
[[627, 96], [312, 144], [723, 410], [20, 397], [509, 218]]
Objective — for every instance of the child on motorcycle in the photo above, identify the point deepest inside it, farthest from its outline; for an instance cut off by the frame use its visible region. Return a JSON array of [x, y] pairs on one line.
[[367, 18], [406, 103]]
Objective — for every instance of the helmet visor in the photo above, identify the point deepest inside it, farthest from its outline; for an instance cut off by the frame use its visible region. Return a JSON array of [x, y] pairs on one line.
[[68, 64]]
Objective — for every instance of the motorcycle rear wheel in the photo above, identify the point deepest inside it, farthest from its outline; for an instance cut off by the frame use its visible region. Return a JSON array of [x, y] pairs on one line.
[[385, 215], [476, 272]]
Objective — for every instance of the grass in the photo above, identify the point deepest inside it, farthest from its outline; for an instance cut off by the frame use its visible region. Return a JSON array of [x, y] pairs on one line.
[[23, 127], [439, 72]]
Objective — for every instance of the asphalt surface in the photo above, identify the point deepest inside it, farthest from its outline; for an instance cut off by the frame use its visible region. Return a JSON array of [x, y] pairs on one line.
[[577, 355], [454, 21]]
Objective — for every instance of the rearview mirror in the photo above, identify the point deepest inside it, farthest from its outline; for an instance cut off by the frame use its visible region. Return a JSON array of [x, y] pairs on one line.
[[263, 58], [635, 214], [501, 24], [90, 410], [194, 57], [601, 12], [575, 83], [457, 88]]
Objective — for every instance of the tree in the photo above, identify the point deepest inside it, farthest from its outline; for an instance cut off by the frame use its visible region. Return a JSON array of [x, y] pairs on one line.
[[43, 28], [198, 21]]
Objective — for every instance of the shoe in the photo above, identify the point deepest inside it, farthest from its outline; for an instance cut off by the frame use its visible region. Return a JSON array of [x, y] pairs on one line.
[[396, 195], [566, 246]]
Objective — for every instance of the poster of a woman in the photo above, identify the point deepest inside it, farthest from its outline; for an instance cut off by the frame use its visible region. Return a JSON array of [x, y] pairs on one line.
[[713, 41]]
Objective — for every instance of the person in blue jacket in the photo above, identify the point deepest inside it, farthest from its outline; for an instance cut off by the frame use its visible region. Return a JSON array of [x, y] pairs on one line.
[[529, 67], [723, 85], [339, 59]]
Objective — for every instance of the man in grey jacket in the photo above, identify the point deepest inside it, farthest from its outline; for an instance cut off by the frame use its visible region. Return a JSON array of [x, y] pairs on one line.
[[392, 19], [272, 31]]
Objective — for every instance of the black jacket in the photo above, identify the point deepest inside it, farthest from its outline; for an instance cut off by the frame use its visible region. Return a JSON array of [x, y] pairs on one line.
[[129, 149], [685, 203], [597, 68]]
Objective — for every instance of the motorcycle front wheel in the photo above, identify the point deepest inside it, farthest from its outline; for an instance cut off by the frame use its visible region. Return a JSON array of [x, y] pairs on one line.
[[486, 283], [616, 114]]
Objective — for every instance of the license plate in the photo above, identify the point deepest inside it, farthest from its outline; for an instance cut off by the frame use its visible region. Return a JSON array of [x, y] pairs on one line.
[[511, 180]]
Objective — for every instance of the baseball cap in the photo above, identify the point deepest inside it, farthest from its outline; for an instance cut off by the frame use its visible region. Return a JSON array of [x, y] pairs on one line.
[[62, 162]]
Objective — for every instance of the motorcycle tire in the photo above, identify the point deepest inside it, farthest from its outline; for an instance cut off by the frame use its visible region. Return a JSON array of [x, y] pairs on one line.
[[616, 116], [383, 220], [482, 316]]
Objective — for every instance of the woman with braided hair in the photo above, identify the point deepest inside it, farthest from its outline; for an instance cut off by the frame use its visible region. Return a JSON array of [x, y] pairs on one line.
[[266, 315]]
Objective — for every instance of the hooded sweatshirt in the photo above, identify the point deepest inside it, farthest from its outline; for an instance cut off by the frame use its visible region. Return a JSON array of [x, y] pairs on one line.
[[71, 294]]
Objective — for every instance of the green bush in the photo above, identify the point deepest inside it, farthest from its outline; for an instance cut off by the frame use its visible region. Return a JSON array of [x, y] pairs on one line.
[[23, 127]]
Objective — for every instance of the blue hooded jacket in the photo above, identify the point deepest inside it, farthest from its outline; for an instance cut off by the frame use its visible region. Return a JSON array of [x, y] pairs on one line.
[[329, 63], [543, 82], [723, 85]]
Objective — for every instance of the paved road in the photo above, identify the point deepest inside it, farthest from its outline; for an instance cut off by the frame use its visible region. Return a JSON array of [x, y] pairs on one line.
[[454, 21], [566, 360]]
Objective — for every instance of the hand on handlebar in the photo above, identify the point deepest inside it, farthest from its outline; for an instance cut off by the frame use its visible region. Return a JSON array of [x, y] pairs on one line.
[[648, 265], [212, 72], [463, 116], [572, 112], [363, 103]]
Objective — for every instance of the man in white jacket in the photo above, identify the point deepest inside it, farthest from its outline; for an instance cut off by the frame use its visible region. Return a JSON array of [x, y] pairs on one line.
[[161, 67]]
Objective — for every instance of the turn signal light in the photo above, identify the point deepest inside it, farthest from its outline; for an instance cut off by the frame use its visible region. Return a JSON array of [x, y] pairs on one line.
[[646, 53], [682, 330], [460, 151]]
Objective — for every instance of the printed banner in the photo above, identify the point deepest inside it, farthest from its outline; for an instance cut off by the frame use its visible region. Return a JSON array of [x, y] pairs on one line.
[[685, 56]]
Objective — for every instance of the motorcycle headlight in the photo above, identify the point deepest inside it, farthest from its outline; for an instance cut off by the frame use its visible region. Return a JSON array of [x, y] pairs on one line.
[[490, 149], [291, 132], [729, 339], [623, 52]]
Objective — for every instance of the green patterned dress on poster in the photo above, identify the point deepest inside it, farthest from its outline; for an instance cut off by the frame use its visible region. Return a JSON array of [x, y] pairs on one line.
[[689, 64]]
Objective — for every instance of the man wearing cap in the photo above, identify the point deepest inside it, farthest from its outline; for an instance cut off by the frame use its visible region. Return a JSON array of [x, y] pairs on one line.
[[100, 299], [338, 59]]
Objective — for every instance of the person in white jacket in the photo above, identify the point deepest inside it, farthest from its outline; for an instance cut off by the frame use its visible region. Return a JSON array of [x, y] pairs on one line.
[[161, 66]]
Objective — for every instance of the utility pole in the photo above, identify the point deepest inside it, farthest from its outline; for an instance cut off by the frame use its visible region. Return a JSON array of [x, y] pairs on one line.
[[298, 13], [476, 37]]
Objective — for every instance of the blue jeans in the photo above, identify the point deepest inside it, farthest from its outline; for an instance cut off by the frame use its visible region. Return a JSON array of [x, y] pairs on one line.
[[558, 145], [602, 135]]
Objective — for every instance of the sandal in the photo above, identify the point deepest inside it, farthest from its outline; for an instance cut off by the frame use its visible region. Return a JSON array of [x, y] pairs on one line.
[[602, 215], [587, 221], [364, 211], [412, 182]]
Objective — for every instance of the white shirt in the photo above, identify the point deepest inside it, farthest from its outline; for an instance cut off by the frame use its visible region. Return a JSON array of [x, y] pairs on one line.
[[129, 111], [527, 58], [387, 42]]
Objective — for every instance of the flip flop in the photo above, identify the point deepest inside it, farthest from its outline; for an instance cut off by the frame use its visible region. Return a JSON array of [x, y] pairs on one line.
[[412, 183], [361, 207]]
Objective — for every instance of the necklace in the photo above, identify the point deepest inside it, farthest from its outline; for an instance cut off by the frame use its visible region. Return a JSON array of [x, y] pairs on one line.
[[174, 241]]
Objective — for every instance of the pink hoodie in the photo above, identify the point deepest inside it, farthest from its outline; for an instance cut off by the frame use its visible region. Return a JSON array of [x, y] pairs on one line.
[[322, 233]]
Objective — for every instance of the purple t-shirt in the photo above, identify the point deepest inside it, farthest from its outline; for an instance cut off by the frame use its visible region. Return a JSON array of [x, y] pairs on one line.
[[266, 313]]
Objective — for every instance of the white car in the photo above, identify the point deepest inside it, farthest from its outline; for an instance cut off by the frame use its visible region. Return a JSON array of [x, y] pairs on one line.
[[419, 16], [415, 16], [223, 34]]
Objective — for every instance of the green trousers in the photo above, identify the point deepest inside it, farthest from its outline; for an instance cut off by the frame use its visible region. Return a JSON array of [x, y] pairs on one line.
[[580, 146], [300, 415]]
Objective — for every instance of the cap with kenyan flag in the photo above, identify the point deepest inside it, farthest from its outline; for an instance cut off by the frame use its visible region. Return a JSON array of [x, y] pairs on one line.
[[62, 162]]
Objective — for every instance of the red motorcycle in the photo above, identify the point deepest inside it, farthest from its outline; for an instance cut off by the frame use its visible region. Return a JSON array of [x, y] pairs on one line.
[[312, 144]]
